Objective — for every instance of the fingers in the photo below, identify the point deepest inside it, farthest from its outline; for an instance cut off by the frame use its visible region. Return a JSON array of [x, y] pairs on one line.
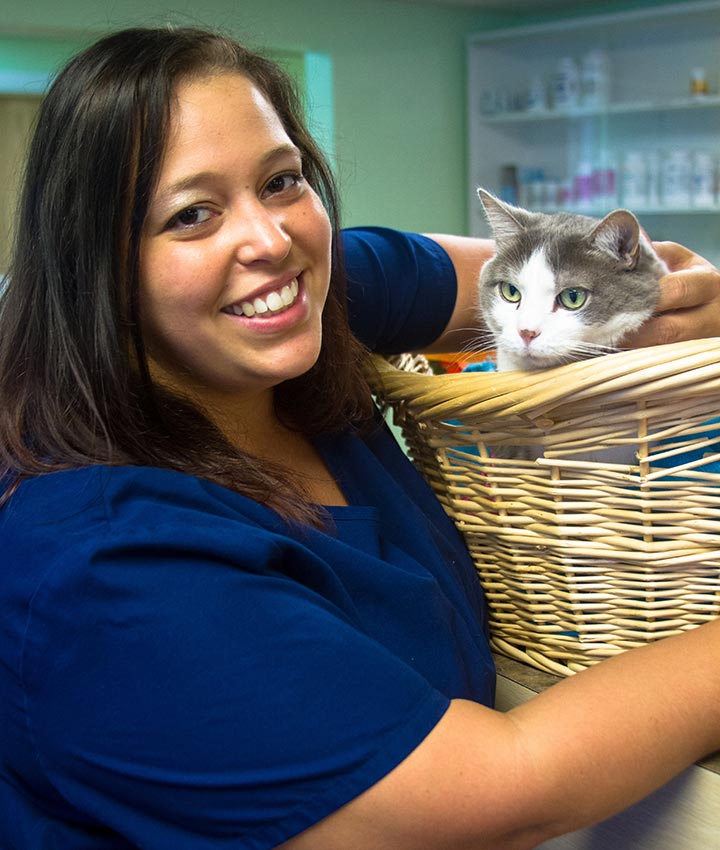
[[677, 257], [671, 327], [695, 287], [692, 281], [689, 302]]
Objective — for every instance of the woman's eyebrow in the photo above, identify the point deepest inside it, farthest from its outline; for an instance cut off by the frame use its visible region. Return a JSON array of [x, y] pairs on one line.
[[281, 151], [193, 180], [183, 185]]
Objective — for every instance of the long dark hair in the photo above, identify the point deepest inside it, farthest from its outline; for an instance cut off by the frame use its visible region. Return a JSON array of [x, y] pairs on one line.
[[74, 379]]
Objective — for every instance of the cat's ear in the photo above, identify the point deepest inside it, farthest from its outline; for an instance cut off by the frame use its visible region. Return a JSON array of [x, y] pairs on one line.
[[504, 219], [619, 235]]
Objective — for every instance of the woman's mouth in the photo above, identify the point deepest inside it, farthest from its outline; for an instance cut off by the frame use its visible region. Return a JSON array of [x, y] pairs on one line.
[[272, 302]]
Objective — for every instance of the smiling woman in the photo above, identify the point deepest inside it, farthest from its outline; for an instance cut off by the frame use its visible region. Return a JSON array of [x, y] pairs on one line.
[[233, 614], [188, 242]]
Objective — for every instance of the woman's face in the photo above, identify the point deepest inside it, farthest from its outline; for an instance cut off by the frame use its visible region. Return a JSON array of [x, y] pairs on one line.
[[235, 253]]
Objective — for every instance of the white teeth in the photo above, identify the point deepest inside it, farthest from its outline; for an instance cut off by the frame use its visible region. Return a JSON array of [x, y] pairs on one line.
[[273, 302], [260, 306]]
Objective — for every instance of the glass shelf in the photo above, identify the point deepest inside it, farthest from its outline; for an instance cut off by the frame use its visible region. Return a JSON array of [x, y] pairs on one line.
[[639, 211], [629, 108]]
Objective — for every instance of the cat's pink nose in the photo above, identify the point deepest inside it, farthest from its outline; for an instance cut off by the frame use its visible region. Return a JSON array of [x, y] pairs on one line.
[[528, 336]]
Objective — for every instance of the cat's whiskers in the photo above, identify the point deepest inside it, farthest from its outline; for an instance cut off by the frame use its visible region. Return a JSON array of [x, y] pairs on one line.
[[482, 342], [582, 350]]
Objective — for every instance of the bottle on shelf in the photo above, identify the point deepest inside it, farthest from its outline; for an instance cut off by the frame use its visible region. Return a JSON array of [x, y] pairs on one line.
[[566, 85], [595, 79], [509, 184], [537, 100], [605, 187], [703, 179], [675, 179], [531, 187], [698, 83], [653, 169], [584, 187], [633, 181]]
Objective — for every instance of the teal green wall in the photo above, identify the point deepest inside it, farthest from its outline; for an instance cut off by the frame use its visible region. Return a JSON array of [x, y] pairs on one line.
[[399, 86], [398, 76], [26, 62]]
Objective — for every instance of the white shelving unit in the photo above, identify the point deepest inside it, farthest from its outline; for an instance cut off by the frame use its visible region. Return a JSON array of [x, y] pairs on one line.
[[651, 54]]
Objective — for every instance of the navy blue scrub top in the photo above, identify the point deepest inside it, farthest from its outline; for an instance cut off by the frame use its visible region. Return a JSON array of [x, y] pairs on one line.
[[179, 668]]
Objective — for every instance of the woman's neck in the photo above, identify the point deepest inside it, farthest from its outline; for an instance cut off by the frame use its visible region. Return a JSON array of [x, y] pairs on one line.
[[253, 426]]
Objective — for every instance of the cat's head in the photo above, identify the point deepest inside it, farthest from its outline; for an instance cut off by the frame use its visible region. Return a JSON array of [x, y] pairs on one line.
[[564, 287]]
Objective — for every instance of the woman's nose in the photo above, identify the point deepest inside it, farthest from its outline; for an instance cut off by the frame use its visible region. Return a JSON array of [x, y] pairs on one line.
[[261, 236]]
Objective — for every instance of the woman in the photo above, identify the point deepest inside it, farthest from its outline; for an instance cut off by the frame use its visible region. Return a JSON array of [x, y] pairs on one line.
[[233, 615]]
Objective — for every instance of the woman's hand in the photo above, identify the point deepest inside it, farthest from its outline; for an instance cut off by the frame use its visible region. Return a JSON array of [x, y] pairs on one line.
[[689, 305]]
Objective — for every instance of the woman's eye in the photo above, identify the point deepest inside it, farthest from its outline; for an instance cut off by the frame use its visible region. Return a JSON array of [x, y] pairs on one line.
[[283, 182], [572, 298], [190, 217], [510, 292]]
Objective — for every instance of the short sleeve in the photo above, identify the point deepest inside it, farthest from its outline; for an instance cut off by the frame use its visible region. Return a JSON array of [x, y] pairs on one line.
[[189, 685], [402, 288]]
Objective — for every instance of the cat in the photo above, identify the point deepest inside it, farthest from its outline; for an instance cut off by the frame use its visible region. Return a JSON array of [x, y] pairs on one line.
[[564, 286]]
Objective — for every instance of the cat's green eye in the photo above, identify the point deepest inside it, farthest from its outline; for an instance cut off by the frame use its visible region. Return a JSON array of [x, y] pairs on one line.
[[572, 298], [510, 292]]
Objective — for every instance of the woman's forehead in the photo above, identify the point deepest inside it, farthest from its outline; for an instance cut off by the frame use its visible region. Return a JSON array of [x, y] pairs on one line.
[[222, 104], [220, 124]]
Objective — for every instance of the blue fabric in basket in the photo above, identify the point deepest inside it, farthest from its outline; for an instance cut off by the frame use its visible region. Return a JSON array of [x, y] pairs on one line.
[[695, 454], [485, 366]]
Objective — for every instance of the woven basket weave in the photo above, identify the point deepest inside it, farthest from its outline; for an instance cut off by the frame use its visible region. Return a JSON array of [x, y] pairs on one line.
[[579, 558]]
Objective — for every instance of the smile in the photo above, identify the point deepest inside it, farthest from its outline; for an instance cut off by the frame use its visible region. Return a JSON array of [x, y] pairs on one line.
[[274, 302]]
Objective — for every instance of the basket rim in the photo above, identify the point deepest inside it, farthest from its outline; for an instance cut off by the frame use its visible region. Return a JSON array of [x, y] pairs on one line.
[[689, 367]]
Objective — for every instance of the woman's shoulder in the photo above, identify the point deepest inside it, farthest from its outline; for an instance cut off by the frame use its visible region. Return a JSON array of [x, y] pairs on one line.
[[401, 288], [110, 493], [75, 517], [116, 542]]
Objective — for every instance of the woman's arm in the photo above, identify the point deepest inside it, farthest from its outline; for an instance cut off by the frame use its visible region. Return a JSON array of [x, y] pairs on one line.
[[581, 751], [468, 256]]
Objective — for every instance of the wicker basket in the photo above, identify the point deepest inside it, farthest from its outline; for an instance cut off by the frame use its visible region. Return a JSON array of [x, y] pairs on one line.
[[579, 558]]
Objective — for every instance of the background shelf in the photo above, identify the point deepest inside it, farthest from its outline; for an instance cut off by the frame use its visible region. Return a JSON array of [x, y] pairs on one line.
[[651, 55]]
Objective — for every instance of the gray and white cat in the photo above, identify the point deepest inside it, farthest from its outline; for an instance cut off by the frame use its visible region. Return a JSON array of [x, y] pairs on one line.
[[564, 286]]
